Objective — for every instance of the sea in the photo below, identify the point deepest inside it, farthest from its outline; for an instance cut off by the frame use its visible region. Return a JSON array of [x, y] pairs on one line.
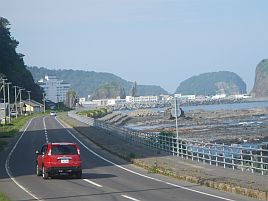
[[229, 106]]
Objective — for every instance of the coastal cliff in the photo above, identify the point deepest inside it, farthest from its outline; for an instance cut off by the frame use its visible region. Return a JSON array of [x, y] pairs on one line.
[[260, 88]]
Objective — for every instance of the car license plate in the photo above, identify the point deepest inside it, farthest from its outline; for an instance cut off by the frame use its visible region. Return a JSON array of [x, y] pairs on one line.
[[64, 161]]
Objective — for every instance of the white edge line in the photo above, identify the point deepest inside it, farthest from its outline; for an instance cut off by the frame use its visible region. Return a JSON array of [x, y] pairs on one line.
[[139, 174], [128, 197], [93, 183], [7, 164]]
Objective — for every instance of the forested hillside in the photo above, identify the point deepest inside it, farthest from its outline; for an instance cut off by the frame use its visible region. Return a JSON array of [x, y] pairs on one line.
[[12, 66], [86, 82], [213, 83]]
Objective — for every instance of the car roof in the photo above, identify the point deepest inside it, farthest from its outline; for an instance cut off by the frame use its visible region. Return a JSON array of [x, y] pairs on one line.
[[61, 143]]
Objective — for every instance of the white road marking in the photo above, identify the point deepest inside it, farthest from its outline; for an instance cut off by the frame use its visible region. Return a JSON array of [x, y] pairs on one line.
[[128, 197], [136, 173], [93, 183], [45, 128], [8, 168]]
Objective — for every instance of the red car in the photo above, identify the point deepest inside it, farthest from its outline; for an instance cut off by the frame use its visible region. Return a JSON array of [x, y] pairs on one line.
[[57, 159]]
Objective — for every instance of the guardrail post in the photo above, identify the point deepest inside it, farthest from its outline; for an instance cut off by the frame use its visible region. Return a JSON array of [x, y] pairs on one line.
[[192, 152], [233, 165], [223, 154], [186, 151], [261, 154], [209, 154], [204, 160], [242, 161], [198, 158], [216, 148], [251, 160]]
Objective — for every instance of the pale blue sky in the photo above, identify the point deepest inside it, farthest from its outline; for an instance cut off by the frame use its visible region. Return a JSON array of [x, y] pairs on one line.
[[161, 42]]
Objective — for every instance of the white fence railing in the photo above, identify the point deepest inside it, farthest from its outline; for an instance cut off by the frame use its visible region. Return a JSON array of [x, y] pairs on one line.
[[250, 158]]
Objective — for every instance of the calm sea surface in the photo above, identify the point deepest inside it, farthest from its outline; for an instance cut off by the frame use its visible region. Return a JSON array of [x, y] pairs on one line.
[[230, 106]]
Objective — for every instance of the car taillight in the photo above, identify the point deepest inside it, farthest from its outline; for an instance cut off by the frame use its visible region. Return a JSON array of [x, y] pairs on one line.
[[49, 152], [78, 151]]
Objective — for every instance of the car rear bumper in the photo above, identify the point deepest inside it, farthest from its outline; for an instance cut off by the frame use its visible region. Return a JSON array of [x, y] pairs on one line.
[[62, 170]]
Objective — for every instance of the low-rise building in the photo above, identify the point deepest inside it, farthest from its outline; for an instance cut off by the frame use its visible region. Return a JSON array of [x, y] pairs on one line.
[[33, 106], [218, 96], [142, 99], [3, 111]]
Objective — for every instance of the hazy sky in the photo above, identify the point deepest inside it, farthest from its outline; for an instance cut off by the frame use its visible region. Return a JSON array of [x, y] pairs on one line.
[[161, 42]]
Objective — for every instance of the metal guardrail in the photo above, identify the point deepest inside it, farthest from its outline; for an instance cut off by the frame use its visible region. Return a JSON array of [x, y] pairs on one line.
[[250, 159]]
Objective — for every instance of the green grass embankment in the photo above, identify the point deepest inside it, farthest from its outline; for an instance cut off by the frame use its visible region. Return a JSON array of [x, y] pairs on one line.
[[3, 197], [10, 130], [96, 113]]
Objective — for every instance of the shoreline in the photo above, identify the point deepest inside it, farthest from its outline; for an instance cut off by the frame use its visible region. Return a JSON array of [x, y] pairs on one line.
[[222, 126]]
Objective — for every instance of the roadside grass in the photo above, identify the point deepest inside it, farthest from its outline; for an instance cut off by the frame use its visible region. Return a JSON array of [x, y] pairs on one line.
[[3, 197], [10, 130]]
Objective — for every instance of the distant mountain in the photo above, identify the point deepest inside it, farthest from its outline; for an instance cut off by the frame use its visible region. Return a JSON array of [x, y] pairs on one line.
[[12, 66], [260, 88], [86, 82], [213, 83]]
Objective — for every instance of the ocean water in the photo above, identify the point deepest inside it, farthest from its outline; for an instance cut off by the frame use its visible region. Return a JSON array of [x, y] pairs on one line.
[[229, 106]]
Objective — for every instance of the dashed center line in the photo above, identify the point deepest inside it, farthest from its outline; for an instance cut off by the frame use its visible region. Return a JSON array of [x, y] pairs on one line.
[[130, 198], [93, 183], [45, 128]]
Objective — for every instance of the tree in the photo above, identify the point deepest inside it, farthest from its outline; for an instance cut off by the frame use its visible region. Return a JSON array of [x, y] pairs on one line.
[[12, 65]]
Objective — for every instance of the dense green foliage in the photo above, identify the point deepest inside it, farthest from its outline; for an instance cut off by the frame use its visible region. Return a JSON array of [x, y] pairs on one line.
[[12, 65], [97, 113], [109, 90], [86, 82], [213, 83], [3, 197]]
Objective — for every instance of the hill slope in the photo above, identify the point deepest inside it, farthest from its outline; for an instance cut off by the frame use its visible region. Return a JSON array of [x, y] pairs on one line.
[[12, 65], [213, 83], [86, 82], [260, 88]]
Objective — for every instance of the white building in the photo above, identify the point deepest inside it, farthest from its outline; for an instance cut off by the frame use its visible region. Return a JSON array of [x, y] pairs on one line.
[[218, 96], [54, 89], [185, 97], [141, 99]]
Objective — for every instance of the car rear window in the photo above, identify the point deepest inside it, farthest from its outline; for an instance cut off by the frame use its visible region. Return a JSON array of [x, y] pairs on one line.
[[63, 150]]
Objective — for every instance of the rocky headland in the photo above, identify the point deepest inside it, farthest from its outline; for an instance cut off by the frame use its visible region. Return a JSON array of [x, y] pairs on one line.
[[260, 89]]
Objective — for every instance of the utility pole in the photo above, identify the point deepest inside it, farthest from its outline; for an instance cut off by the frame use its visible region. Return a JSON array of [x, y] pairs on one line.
[[8, 98], [4, 94], [176, 116], [29, 95], [44, 102], [20, 89], [15, 101]]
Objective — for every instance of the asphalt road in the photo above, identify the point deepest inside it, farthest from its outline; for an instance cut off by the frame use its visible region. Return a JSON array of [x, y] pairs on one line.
[[105, 177]]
